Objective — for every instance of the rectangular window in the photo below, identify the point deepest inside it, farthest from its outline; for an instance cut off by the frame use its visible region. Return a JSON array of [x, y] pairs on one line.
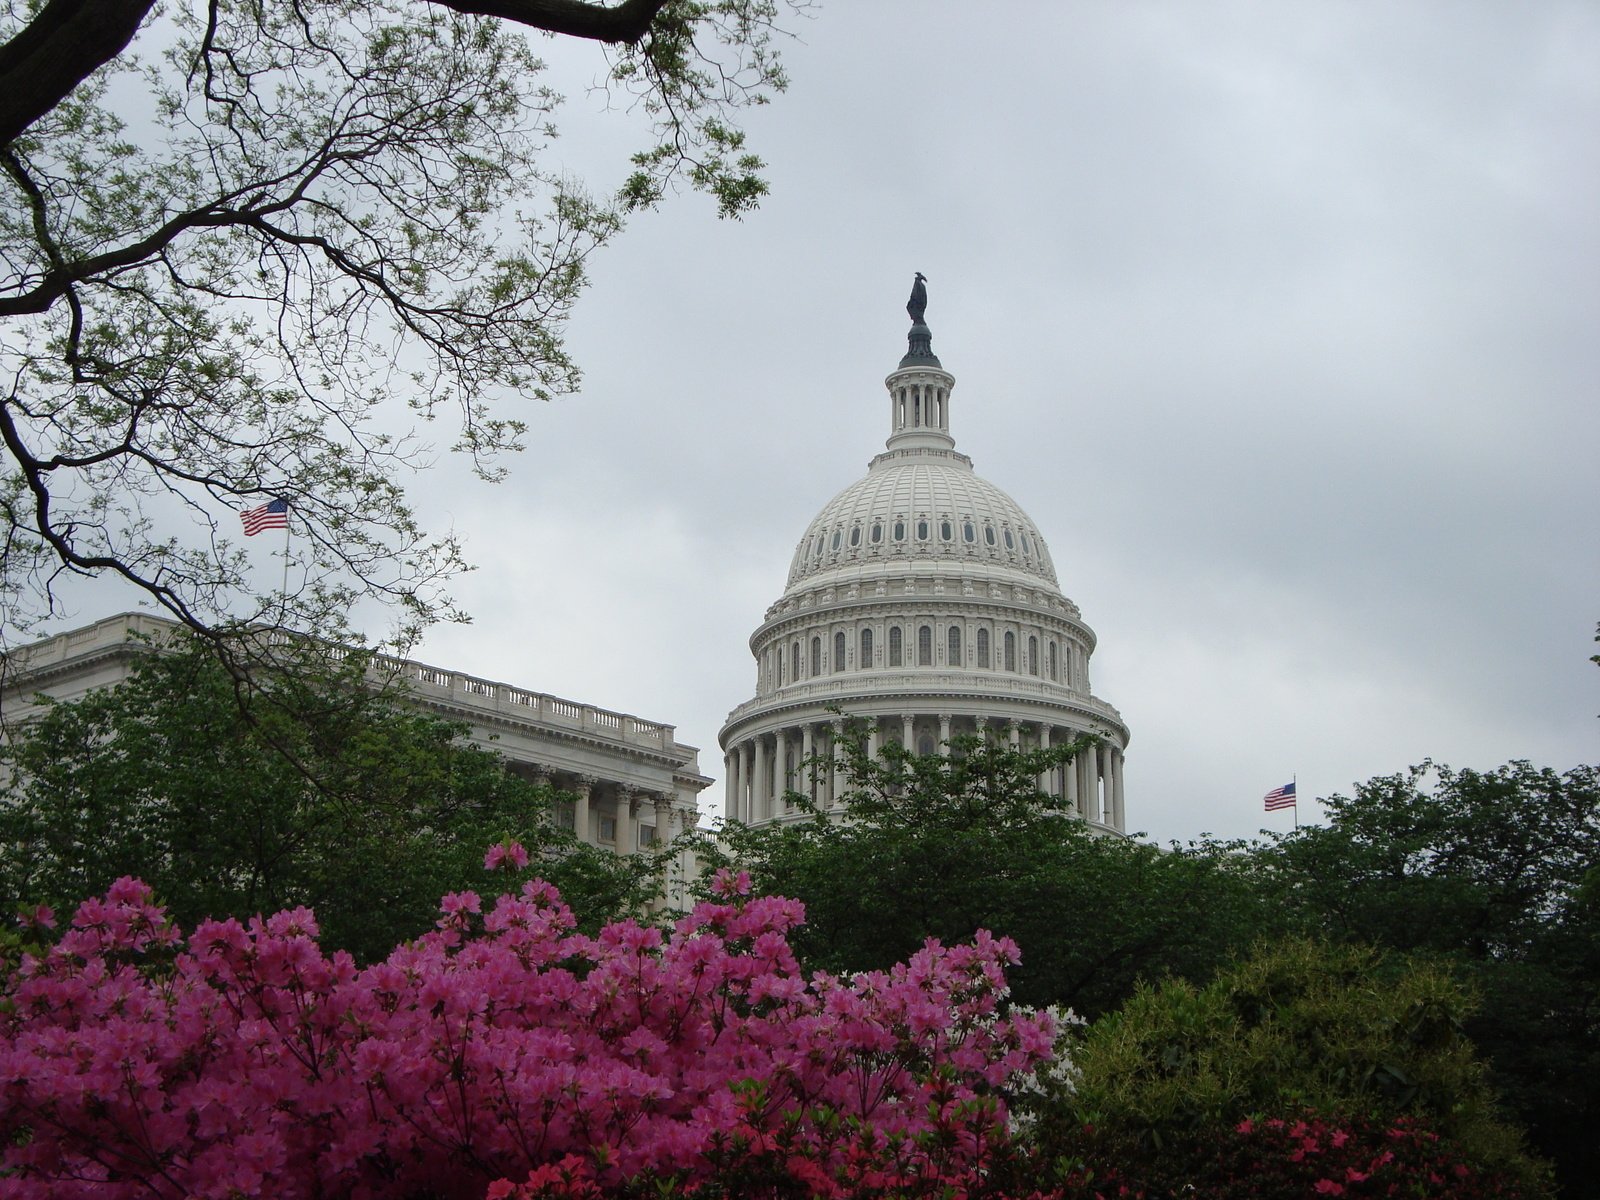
[[894, 646], [608, 829]]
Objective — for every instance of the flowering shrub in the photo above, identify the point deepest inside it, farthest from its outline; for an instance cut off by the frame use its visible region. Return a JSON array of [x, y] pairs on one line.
[[1309, 1157], [502, 1053]]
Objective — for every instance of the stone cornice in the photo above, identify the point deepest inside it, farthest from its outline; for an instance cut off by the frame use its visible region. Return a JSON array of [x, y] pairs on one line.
[[952, 601], [933, 690]]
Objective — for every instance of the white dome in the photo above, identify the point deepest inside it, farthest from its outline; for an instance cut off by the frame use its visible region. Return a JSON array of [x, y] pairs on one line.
[[921, 506], [923, 603]]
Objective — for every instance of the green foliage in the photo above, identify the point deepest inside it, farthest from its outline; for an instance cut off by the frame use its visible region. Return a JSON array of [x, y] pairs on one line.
[[939, 846], [317, 216], [1298, 1026], [1494, 873], [308, 788]]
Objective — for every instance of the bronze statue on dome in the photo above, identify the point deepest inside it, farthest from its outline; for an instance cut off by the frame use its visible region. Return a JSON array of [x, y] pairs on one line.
[[918, 304]]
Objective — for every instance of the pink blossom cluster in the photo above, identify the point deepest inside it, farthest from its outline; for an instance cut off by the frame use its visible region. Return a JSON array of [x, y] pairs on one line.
[[244, 1061]]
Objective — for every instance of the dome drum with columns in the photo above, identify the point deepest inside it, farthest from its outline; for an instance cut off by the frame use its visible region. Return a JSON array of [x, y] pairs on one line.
[[924, 601]]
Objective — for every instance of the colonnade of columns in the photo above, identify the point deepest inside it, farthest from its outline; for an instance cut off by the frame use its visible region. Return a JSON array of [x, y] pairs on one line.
[[596, 801], [804, 758]]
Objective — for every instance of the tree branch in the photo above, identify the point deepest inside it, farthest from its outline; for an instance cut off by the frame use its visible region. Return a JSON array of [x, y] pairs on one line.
[[58, 50], [627, 22]]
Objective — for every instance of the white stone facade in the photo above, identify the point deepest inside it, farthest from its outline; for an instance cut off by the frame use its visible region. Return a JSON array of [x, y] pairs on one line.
[[632, 781], [924, 601]]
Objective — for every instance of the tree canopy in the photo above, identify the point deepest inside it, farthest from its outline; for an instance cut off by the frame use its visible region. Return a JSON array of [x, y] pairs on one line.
[[316, 790], [1498, 874], [236, 237], [941, 846]]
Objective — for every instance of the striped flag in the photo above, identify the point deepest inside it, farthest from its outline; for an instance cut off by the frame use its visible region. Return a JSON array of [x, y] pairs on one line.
[[1280, 797], [274, 514]]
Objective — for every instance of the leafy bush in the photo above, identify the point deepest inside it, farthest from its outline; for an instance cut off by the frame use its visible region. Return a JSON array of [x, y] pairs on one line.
[[1342, 1031]]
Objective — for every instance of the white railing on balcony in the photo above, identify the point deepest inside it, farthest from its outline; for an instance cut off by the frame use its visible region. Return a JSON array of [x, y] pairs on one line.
[[469, 692]]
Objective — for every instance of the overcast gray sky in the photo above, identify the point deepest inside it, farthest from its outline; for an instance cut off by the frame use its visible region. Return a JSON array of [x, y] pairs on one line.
[[1281, 321]]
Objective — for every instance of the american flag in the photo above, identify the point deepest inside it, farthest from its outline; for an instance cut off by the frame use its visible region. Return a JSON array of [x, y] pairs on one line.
[[1280, 797], [274, 514]]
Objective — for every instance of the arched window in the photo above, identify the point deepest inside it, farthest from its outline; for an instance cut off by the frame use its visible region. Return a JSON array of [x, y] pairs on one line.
[[894, 645], [866, 649], [983, 648], [1011, 651], [816, 657], [1055, 663], [1010, 543], [838, 652], [922, 531], [946, 531], [855, 535], [925, 646], [877, 532], [794, 662], [838, 535], [899, 531], [1033, 655], [953, 646], [988, 534], [968, 532]]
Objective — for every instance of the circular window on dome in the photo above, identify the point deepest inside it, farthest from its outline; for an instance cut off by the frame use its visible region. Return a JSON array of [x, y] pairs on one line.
[[988, 534], [968, 532], [855, 535], [922, 531], [838, 537], [877, 532], [899, 531], [1010, 544], [946, 531]]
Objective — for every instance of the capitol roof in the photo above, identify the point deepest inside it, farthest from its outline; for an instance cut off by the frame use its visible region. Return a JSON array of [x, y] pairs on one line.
[[921, 505]]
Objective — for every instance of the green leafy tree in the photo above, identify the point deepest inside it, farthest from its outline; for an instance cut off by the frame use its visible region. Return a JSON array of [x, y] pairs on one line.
[[1495, 873], [1298, 1028], [241, 235], [938, 846], [316, 789]]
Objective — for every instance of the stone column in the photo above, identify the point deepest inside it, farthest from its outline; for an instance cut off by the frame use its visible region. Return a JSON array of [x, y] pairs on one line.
[[780, 771], [1087, 791], [874, 739], [1070, 770], [808, 775], [1047, 777], [580, 808], [1105, 789], [944, 734], [833, 765], [738, 805], [759, 781], [627, 838], [1014, 734], [1116, 791], [907, 733], [663, 807]]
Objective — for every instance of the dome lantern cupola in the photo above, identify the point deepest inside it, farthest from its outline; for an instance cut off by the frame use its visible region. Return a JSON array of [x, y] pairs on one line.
[[920, 387]]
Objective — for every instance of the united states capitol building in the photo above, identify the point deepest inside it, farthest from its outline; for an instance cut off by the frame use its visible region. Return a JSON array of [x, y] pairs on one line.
[[922, 601]]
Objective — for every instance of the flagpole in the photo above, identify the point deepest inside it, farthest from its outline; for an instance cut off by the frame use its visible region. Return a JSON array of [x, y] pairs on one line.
[[284, 603], [1294, 781]]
